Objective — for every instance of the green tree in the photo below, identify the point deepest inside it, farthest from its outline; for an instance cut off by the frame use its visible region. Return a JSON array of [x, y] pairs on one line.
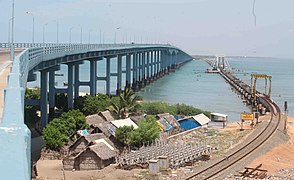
[[157, 108], [57, 132], [146, 133], [123, 133], [128, 102], [161, 107], [30, 112], [92, 104], [61, 101], [53, 138], [32, 93]]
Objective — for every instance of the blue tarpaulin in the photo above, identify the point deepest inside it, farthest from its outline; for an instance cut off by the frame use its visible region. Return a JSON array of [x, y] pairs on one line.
[[188, 124]]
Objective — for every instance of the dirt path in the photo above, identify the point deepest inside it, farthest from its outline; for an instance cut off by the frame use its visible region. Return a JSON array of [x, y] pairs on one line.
[[280, 157]]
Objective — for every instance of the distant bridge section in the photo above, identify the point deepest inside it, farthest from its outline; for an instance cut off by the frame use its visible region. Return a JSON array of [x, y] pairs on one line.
[[144, 63]]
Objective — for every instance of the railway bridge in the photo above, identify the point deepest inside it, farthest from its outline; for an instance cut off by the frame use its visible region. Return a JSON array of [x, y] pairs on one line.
[[143, 64], [258, 101]]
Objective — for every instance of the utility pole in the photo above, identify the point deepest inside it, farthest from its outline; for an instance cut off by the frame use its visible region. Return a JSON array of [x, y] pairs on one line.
[[12, 34]]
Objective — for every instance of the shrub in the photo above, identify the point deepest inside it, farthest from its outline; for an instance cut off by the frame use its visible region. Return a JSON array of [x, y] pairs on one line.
[[57, 132], [92, 104]]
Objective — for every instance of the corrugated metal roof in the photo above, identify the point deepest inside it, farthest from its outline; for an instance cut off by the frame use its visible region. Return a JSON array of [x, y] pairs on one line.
[[124, 122], [219, 114], [201, 119]]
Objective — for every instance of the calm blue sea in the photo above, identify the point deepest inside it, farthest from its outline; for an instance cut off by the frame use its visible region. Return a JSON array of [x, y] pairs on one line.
[[191, 85]]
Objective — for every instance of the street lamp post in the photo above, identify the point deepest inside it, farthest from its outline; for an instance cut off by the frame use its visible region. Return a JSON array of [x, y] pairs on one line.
[[115, 34], [9, 25], [44, 32], [100, 36], [57, 31], [12, 34], [70, 34], [29, 13], [81, 36], [89, 37]]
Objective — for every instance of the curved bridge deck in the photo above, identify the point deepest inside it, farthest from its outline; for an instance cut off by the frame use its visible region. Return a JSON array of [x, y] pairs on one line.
[[144, 64]]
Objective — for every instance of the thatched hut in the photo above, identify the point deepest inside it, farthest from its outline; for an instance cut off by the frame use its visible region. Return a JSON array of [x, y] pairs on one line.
[[93, 157], [84, 141], [106, 115]]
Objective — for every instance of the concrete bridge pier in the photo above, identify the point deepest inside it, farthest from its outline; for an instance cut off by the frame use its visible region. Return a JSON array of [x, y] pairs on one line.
[[143, 81], [151, 67], [93, 77], [70, 86], [128, 71], [77, 80], [135, 72], [52, 90], [108, 58], [119, 75], [44, 98], [148, 65]]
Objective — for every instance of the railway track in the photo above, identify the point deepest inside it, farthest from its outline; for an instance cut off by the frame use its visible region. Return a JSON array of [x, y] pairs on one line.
[[246, 149]]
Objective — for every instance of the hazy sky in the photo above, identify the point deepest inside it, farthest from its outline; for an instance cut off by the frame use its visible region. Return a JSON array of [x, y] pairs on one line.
[[223, 27]]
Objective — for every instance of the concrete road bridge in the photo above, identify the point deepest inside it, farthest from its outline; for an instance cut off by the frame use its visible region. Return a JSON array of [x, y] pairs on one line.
[[144, 63]]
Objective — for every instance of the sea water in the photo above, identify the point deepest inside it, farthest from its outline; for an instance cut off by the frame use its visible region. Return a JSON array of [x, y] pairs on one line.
[[192, 85]]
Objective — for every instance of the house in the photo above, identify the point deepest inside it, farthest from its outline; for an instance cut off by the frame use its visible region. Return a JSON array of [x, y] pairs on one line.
[[106, 115], [94, 157], [165, 119], [84, 141], [192, 122], [218, 117], [124, 122], [99, 125]]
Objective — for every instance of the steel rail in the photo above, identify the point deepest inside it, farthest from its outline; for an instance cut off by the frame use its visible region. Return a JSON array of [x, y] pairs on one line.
[[246, 149]]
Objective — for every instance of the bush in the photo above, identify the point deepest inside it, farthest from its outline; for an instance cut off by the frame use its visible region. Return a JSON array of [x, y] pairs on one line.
[[61, 101], [33, 93], [30, 112], [53, 138], [155, 108], [123, 133], [146, 133], [92, 104], [57, 132]]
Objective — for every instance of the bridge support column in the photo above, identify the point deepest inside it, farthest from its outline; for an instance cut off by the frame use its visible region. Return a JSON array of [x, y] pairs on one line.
[[157, 63], [119, 74], [51, 93], [128, 71], [77, 80], [135, 72], [108, 75], [93, 77], [143, 84], [148, 79], [151, 66], [44, 98], [154, 65], [70, 86]]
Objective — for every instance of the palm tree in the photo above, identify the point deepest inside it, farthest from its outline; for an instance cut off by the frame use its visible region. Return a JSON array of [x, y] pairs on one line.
[[128, 102]]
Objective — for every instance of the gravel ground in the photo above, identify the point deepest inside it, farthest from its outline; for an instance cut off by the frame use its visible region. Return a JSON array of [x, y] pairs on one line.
[[278, 138]]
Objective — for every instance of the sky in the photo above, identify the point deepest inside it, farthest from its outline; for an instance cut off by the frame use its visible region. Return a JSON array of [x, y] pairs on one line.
[[216, 27]]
